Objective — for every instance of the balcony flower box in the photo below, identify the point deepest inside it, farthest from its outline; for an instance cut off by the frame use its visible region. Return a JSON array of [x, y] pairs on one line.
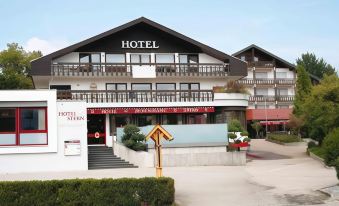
[[238, 145]]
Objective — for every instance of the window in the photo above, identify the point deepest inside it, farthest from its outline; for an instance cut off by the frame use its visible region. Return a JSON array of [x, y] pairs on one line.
[[261, 75], [165, 86], [282, 92], [141, 58], [8, 126], [189, 86], [281, 75], [164, 58], [60, 87], [116, 86], [256, 59], [262, 91], [188, 58], [115, 58], [141, 86], [243, 58], [89, 58], [31, 129]]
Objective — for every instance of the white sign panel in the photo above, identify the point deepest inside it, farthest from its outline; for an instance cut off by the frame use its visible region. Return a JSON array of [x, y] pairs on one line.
[[72, 147], [143, 71]]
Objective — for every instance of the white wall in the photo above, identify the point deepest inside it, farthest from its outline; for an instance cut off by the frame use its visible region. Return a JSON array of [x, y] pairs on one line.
[[204, 58], [51, 157]]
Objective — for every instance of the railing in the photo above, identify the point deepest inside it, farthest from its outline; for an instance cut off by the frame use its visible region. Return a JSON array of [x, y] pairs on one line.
[[262, 64], [267, 81], [262, 98], [279, 98], [102, 96], [126, 69], [285, 98]]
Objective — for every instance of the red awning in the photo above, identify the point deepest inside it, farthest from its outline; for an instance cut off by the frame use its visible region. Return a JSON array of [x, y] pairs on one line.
[[272, 114], [150, 110]]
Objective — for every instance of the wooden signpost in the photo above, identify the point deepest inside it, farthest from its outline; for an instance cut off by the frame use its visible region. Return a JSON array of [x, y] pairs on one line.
[[156, 134]]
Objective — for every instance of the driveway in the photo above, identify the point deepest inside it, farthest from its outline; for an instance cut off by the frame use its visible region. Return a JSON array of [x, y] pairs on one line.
[[280, 175]]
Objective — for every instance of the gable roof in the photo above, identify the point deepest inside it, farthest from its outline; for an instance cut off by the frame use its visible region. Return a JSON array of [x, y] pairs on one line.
[[41, 64], [266, 52], [313, 77]]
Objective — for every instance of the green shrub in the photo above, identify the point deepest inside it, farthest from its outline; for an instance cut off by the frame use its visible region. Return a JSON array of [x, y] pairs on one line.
[[337, 167], [232, 135], [124, 191], [133, 139], [331, 147], [319, 151], [247, 139], [244, 133], [235, 126], [284, 138], [311, 144]]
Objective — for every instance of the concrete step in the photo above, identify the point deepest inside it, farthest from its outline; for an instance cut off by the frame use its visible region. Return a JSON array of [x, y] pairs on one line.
[[100, 157]]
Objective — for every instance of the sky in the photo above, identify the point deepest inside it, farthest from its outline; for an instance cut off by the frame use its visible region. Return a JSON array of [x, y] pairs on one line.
[[286, 28]]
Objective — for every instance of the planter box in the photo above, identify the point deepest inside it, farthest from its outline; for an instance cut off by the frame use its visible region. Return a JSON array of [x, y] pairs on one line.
[[243, 144]]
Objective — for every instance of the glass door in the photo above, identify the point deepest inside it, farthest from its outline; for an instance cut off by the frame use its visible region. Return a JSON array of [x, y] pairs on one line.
[[96, 129]]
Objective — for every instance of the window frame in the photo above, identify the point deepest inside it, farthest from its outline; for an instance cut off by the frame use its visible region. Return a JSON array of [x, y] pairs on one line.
[[90, 57], [170, 54], [190, 86], [141, 83], [156, 86], [19, 131], [115, 62], [115, 85]]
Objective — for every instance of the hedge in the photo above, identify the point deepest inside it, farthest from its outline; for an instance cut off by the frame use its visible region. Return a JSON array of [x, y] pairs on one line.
[[284, 138], [124, 191]]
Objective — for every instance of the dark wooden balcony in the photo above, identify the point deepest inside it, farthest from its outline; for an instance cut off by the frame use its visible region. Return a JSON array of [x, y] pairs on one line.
[[263, 98], [285, 98], [125, 69], [267, 81], [261, 64], [112, 96]]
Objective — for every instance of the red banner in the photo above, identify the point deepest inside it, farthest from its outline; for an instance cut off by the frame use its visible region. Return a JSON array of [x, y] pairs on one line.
[[150, 110]]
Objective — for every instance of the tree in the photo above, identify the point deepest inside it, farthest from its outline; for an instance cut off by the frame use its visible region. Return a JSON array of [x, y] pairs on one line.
[[331, 147], [304, 87], [257, 127], [132, 138], [15, 66], [321, 108], [314, 65], [296, 123]]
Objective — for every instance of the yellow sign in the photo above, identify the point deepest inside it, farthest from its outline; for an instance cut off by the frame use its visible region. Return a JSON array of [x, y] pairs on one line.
[[156, 134]]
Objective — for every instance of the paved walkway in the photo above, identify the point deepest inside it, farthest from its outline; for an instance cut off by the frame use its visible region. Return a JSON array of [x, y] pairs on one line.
[[286, 177]]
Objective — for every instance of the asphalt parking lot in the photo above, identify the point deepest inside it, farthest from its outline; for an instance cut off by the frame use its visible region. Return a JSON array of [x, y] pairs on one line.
[[280, 175]]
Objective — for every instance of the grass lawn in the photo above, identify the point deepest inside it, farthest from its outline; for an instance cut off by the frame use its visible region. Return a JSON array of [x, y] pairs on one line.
[[319, 151]]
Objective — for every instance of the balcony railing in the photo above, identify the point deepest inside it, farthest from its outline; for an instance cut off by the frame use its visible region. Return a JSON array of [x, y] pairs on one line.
[[267, 81], [104, 96], [261, 64], [279, 98], [126, 69]]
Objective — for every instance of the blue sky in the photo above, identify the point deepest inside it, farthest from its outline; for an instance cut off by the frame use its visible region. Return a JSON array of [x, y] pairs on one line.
[[286, 28]]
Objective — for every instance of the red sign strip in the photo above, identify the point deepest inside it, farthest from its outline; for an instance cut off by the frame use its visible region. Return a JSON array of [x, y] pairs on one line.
[[150, 110]]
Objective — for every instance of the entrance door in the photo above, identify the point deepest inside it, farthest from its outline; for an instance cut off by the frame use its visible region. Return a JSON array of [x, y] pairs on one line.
[[96, 131]]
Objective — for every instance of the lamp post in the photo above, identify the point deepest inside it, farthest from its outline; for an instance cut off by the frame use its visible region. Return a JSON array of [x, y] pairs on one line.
[[266, 116]]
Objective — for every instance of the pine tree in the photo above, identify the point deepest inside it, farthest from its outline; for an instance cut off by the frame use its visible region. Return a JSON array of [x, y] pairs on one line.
[[303, 90]]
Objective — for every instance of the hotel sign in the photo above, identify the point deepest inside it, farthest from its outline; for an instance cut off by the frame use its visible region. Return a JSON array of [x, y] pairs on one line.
[[139, 45], [152, 110]]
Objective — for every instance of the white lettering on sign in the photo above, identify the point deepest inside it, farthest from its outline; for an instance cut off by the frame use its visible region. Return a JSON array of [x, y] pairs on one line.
[[139, 44]]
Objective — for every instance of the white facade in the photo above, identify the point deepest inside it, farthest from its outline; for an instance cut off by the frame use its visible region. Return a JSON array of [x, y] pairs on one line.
[[60, 128]]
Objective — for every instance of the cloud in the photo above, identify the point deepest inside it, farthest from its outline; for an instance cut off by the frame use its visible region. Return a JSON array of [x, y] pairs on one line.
[[45, 46]]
